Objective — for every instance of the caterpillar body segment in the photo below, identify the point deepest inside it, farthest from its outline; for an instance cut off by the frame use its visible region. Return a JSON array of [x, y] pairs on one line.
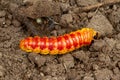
[[60, 44]]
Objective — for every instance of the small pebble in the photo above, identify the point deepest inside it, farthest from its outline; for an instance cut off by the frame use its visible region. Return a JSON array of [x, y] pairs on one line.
[[39, 20], [66, 18], [2, 13]]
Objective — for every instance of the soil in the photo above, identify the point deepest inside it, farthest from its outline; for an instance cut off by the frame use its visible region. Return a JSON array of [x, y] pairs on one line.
[[99, 61]]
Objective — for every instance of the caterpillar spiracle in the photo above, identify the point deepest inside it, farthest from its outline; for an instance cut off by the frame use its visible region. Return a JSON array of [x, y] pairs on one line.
[[58, 45]]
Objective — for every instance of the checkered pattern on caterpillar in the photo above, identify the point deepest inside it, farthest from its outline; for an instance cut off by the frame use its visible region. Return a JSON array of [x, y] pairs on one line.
[[58, 45]]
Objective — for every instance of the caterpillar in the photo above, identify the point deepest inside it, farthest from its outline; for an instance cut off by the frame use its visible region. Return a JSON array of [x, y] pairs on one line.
[[58, 45]]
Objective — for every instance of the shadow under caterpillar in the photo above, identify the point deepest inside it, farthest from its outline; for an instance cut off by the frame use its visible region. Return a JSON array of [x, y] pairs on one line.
[[58, 45]]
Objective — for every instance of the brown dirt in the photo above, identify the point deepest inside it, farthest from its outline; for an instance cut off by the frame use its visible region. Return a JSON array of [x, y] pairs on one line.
[[99, 61]]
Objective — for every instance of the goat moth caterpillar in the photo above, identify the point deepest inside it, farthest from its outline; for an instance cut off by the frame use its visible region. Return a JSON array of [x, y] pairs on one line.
[[58, 45]]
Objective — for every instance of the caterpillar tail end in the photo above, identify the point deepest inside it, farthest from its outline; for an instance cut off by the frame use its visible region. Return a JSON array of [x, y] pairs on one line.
[[22, 47]]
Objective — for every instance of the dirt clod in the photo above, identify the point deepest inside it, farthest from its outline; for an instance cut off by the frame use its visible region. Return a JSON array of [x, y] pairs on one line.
[[104, 58], [66, 19], [67, 60], [101, 24], [82, 56], [98, 45], [110, 44], [37, 59], [103, 74], [115, 16], [40, 8]]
